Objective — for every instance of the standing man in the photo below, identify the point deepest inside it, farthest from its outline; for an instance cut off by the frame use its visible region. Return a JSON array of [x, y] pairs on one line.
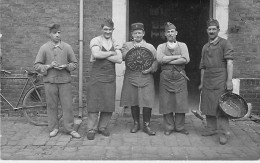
[[138, 86], [102, 85], [216, 78], [173, 93], [56, 60]]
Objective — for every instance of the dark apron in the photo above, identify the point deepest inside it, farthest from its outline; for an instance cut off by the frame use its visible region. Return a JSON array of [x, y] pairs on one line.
[[173, 93], [138, 89], [213, 87], [102, 86], [214, 81]]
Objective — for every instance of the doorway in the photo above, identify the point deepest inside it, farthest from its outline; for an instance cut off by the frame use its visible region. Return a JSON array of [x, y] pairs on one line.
[[189, 17]]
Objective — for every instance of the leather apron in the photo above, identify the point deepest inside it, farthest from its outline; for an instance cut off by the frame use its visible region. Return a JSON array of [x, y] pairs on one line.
[[102, 86], [138, 89], [214, 82], [173, 92]]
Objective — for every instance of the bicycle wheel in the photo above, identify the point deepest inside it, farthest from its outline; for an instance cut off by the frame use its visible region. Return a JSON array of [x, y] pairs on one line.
[[35, 107]]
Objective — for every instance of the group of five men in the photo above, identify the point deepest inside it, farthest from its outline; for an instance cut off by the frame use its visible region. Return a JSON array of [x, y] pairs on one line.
[[56, 59]]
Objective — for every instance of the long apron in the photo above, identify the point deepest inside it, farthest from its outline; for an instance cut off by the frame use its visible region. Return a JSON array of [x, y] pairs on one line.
[[138, 89], [173, 92], [102, 86], [213, 87], [214, 81]]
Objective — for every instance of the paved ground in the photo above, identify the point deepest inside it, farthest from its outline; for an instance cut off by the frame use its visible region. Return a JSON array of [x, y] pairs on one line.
[[20, 140]]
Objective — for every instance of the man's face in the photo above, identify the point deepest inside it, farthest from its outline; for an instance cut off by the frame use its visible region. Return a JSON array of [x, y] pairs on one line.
[[138, 35], [171, 35], [55, 35], [212, 32], [107, 32]]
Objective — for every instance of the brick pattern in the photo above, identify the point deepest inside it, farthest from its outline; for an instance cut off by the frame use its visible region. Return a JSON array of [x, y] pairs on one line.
[[244, 34], [24, 25], [250, 91]]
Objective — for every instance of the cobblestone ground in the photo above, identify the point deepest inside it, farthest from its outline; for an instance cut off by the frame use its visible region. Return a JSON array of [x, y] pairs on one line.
[[20, 141]]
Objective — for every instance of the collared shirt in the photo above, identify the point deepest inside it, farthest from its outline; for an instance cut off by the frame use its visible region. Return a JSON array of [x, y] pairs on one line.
[[100, 41], [215, 54], [61, 53]]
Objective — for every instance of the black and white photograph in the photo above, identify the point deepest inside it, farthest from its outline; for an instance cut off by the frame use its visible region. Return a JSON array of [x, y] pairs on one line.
[[130, 80]]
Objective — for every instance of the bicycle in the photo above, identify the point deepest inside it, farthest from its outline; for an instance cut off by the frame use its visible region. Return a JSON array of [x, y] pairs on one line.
[[34, 105]]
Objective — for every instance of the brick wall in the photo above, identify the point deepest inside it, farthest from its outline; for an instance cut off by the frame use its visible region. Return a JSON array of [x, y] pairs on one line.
[[24, 25], [244, 34]]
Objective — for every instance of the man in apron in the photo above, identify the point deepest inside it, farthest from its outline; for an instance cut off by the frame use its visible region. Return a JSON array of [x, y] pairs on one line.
[[102, 85], [55, 60], [173, 93], [138, 86], [216, 78]]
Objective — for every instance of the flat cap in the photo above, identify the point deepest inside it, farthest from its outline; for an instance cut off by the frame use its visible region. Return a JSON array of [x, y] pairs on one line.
[[55, 27], [169, 26], [212, 22], [136, 26]]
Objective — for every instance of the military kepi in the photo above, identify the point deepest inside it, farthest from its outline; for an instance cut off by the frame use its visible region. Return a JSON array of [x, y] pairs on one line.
[[107, 22], [169, 26], [212, 22], [137, 26], [54, 28]]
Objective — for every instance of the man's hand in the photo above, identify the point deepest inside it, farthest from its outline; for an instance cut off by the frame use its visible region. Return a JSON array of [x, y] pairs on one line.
[[146, 71], [200, 86], [61, 67], [54, 64], [229, 85]]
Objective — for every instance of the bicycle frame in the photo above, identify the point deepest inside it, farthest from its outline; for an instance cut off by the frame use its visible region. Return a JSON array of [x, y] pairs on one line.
[[21, 95]]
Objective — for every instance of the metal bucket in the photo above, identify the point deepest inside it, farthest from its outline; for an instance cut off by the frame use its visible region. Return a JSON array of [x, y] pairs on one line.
[[233, 105]]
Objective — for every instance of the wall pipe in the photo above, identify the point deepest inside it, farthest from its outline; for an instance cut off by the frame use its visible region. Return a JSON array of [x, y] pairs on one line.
[[80, 57]]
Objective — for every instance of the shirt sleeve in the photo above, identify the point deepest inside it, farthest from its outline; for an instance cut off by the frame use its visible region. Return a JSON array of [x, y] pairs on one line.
[[116, 45], [228, 51], [160, 54], [185, 52], [155, 63], [202, 66], [124, 50], [72, 61], [39, 64], [95, 42]]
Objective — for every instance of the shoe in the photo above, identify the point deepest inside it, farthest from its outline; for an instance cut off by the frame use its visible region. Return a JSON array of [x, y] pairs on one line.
[[223, 139], [167, 132], [104, 132], [183, 131], [135, 111], [54, 132], [209, 133], [74, 134], [91, 135], [147, 112], [135, 128]]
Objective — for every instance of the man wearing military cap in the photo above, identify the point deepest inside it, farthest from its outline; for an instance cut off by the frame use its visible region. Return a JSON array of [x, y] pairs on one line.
[[55, 60], [138, 86], [105, 53], [173, 93], [216, 78]]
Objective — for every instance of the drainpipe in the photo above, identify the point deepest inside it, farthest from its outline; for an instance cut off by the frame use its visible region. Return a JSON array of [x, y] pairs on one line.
[[80, 57]]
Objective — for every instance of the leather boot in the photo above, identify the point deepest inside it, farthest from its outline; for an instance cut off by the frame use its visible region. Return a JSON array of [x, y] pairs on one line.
[[146, 121], [135, 110]]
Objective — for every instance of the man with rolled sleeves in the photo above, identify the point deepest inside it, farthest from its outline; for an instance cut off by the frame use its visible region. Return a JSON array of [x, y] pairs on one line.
[[55, 60], [173, 93], [216, 78], [138, 86], [105, 53]]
